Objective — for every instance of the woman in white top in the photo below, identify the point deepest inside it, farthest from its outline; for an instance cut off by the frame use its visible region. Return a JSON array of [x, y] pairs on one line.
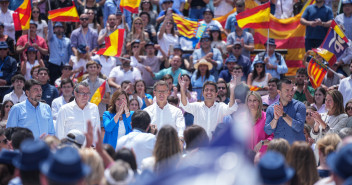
[[26, 67], [333, 120], [216, 40], [42, 26], [258, 77], [319, 100], [79, 61], [92, 21], [167, 36]]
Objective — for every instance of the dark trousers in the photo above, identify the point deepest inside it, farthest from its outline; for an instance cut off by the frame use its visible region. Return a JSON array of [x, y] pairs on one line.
[[55, 72], [312, 43]]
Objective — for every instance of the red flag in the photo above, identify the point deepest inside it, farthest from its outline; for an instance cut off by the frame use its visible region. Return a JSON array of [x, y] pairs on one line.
[[22, 15], [316, 72], [113, 44], [258, 17], [67, 14], [98, 94]]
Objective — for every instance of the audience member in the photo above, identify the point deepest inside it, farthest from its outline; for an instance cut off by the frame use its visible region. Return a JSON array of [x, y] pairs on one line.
[[66, 87], [49, 92], [17, 95], [4, 113], [273, 95]]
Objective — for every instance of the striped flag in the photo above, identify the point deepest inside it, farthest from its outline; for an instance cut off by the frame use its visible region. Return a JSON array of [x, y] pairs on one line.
[[99, 94], [130, 5], [67, 14], [334, 44], [185, 27], [258, 17], [254, 88], [79, 76], [316, 72], [22, 15], [113, 44]]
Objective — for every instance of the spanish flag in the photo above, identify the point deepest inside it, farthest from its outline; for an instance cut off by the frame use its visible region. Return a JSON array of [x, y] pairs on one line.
[[22, 15], [130, 5], [316, 72], [67, 14], [113, 44], [254, 88], [186, 27], [258, 17], [98, 94], [79, 76]]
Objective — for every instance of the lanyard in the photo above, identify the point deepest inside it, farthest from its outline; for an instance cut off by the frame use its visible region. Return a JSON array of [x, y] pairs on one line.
[[3, 63]]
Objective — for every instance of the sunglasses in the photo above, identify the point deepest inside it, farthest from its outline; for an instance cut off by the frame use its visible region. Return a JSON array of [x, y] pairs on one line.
[[135, 46], [223, 88], [83, 19], [348, 108], [169, 23], [138, 23], [35, 12], [308, 114], [4, 141]]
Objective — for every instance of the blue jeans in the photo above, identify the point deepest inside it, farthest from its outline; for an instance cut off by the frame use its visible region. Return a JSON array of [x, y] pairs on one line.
[[195, 13]]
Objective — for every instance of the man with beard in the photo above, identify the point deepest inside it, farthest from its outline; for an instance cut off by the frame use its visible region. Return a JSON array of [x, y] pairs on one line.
[[223, 91], [303, 92], [84, 36], [32, 114], [124, 72], [110, 28], [317, 18], [50, 92], [61, 49]]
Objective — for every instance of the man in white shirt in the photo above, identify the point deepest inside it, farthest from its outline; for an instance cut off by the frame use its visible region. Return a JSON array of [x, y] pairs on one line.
[[209, 113], [6, 18], [66, 87], [138, 140], [346, 87], [17, 95], [162, 113], [74, 115]]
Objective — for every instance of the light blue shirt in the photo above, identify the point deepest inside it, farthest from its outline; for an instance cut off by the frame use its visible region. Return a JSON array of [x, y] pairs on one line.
[[217, 57], [174, 75], [346, 22], [197, 84], [275, 73], [230, 22], [37, 119], [61, 48], [110, 7]]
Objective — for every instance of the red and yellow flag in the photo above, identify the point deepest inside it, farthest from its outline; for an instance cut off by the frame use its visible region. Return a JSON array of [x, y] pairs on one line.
[[79, 76], [130, 5], [258, 17], [22, 15], [254, 88], [185, 27], [99, 94], [113, 44], [316, 72], [67, 14]]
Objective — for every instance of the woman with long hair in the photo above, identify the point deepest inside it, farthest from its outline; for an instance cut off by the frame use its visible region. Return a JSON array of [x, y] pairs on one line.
[[348, 110], [216, 40], [92, 21], [146, 6], [333, 120], [128, 156], [117, 120], [301, 158], [260, 139], [326, 145], [319, 100], [167, 36], [258, 77], [201, 75], [137, 33], [42, 26], [4, 113], [140, 90], [134, 105]]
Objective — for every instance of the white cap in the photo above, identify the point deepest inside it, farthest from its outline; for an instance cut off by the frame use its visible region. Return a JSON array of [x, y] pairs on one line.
[[79, 137]]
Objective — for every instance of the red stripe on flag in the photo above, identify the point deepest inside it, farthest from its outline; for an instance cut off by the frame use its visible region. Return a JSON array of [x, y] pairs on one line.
[[284, 27], [16, 21], [65, 19], [130, 9], [289, 43], [252, 11], [60, 10], [256, 25]]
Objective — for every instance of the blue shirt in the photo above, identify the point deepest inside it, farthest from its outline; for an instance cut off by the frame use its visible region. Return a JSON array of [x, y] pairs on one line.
[[166, 71], [90, 39], [346, 22], [311, 13], [37, 119], [217, 57], [112, 128], [148, 96], [275, 73], [110, 7], [197, 84], [243, 61], [297, 111], [173, 9], [61, 48], [8, 68], [230, 22], [49, 93]]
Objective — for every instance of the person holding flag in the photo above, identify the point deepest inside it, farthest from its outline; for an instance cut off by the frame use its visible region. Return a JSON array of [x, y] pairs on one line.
[[7, 19]]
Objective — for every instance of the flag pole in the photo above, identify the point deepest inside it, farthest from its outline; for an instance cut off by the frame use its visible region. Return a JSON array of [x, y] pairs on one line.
[[49, 5], [267, 45]]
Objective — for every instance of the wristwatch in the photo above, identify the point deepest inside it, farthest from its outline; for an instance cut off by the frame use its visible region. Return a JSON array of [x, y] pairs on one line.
[[262, 142], [284, 115]]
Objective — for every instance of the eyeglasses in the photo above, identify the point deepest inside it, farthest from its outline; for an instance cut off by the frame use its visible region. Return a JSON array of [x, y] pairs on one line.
[[259, 66], [162, 92], [308, 114], [223, 88], [84, 19], [84, 94], [348, 108], [35, 12], [8, 106], [237, 48], [4, 141]]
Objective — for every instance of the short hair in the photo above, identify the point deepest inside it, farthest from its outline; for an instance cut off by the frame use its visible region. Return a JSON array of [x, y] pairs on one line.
[[19, 135], [173, 100], [279, 145], [302, 71], [140, 119], [236, 66], [167, 77], [125, 82], [345, 132], [43, 69], [283, 81], [119, 171], [145, 13], [109, 149], [160, 83], [274, 80], [127, 156], [195, 136], [210, 83], [18, 77], [84, 84], [66, 81], [30, 83], [91, 62]]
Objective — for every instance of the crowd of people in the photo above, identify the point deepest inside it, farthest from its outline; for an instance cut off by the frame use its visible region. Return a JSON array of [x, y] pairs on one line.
[[165, 100]]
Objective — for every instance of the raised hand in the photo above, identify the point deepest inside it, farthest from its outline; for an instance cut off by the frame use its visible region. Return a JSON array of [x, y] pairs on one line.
[[89, 134], [233, 83], [181, 82]]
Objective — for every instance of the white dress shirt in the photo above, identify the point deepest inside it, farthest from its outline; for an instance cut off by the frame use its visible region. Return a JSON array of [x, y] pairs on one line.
[[55, 106], [208, 118], [70, 117], [169, 115], [346, 89], [14, 98], [142, 144]]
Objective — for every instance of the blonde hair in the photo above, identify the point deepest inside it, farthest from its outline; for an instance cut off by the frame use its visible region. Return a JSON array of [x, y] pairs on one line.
[[258, 115], [279, 145], [328, 143], [95, 162]]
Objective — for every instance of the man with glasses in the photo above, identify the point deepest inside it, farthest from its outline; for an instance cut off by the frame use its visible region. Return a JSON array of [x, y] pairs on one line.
[[223, 91], [231, 19], [212, 55], [162, 113], [59, 43], [244, 38], [7, 19], [74, 115], [17, 95], [49, 91], [32, 113], [84, 35]]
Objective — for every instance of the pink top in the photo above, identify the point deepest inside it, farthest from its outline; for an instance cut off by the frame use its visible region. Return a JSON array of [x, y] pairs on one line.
[[259, 134]]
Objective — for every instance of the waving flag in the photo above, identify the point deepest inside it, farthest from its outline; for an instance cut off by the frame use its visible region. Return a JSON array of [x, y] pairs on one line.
[[258, 17], [334, 44], [130, 5], [254, 88], [113, 44], [185, 27], [67, 14], [22, 15], [316, 72], [99, 94], [79, 76]]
